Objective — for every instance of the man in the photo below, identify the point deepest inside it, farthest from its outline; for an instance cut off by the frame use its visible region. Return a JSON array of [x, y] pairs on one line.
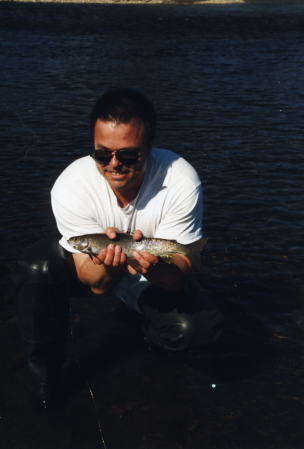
[[125, 185]]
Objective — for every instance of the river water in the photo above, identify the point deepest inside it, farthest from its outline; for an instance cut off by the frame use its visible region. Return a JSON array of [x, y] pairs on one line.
[[228, 86], [227, 82]]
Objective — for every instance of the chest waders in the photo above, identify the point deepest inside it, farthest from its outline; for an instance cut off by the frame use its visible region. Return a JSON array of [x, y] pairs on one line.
[[45, 273], [171, 321]]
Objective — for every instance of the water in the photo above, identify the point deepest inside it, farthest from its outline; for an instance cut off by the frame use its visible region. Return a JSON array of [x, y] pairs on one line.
[[228, 85], [227, 82]]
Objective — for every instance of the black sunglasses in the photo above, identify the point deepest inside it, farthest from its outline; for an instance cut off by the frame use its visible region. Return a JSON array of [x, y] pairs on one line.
[[125, 156]]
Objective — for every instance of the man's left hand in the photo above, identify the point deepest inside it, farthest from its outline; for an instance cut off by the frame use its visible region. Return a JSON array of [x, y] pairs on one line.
[[168, 276], [145, 262]]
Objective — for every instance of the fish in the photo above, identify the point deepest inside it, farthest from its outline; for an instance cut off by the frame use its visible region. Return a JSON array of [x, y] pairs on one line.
[[165, 249]]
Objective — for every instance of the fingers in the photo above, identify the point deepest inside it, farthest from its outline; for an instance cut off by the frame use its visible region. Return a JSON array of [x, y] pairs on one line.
[[132, 270], [95, 260], [115, 257], [111, 232], [137, 234], [111, 256], [145, 261]]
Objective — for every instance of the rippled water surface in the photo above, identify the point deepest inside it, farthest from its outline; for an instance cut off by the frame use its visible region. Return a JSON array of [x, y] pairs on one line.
[[228, 85]]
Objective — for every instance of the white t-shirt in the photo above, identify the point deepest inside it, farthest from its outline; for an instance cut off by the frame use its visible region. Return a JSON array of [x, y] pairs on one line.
[[168, 205]]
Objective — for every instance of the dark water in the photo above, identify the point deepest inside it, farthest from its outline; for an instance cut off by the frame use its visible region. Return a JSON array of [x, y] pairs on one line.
[[228, 85]]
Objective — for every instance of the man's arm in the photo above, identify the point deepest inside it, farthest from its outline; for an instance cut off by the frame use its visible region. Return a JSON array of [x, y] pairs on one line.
[[168, 276], [101, 277], [105, 270]]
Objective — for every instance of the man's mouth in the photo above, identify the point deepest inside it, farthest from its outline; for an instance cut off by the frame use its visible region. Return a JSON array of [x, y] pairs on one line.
[[116, 173]]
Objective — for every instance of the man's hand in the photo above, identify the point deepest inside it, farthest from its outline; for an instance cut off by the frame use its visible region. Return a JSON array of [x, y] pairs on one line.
[[112, 256], [145, 262], [111, 263], [168, 276], [102, 272]]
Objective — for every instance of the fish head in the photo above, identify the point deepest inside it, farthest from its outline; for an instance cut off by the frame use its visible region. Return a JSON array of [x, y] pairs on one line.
[[80, 243]]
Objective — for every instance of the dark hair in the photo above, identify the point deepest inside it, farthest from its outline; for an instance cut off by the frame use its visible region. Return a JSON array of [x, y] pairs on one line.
[[123, 106]]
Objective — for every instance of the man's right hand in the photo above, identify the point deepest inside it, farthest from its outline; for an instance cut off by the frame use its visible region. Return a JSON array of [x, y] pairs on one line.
[[112, 255], [102, 272]]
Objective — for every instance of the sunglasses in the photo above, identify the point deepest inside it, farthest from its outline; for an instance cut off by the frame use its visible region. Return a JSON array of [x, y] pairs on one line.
[[125, 156]]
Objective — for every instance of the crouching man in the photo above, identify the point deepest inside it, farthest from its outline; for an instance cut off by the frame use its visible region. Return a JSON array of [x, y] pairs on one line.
[[124, 185]]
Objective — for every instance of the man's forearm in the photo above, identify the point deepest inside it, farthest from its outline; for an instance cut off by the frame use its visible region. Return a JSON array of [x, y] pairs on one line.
[[95, 276]]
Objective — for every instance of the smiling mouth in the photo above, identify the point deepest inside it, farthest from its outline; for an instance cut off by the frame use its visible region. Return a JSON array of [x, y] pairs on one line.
[[116, 176]]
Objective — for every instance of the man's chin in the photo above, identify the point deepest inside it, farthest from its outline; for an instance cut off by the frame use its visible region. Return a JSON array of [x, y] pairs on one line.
[[123, 181], [118, 183]]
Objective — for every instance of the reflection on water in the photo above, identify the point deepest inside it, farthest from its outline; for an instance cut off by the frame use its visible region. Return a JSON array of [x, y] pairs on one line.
[[227, 84], [228, 87]]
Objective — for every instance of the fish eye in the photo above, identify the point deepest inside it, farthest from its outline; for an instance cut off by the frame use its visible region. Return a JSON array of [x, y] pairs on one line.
[[84, 244]]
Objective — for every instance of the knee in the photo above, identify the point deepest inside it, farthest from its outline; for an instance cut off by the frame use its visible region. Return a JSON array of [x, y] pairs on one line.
[[43, 280], [168, 331], [178, 325], [180, 332], [34, 268], [41, 262]]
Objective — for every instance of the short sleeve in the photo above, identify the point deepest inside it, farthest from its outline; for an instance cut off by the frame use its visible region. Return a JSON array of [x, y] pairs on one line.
[[182, 219], [72, 217]]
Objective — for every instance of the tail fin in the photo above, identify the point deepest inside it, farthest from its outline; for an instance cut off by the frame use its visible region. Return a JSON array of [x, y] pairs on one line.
[[194, 253]]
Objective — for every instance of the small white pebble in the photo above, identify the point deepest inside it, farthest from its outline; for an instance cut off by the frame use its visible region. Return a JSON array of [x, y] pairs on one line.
[[213, 385]]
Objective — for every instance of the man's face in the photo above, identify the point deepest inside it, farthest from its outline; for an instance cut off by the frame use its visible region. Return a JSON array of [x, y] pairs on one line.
[[110, 137]]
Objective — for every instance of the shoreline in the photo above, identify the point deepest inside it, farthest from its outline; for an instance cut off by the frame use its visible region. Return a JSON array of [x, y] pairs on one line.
[[134, 2]]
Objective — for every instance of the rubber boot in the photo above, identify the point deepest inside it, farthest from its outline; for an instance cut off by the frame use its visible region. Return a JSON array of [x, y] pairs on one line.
[[43, 316]]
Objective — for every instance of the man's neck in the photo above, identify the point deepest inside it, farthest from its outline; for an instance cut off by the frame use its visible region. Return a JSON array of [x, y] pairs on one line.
[[126, 196]]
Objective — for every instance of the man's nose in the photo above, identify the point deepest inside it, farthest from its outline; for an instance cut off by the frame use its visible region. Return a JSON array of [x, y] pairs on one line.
[[114, 162]]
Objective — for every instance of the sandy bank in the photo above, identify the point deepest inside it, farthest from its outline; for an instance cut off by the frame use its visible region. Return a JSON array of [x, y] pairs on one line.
[[135, 2]]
